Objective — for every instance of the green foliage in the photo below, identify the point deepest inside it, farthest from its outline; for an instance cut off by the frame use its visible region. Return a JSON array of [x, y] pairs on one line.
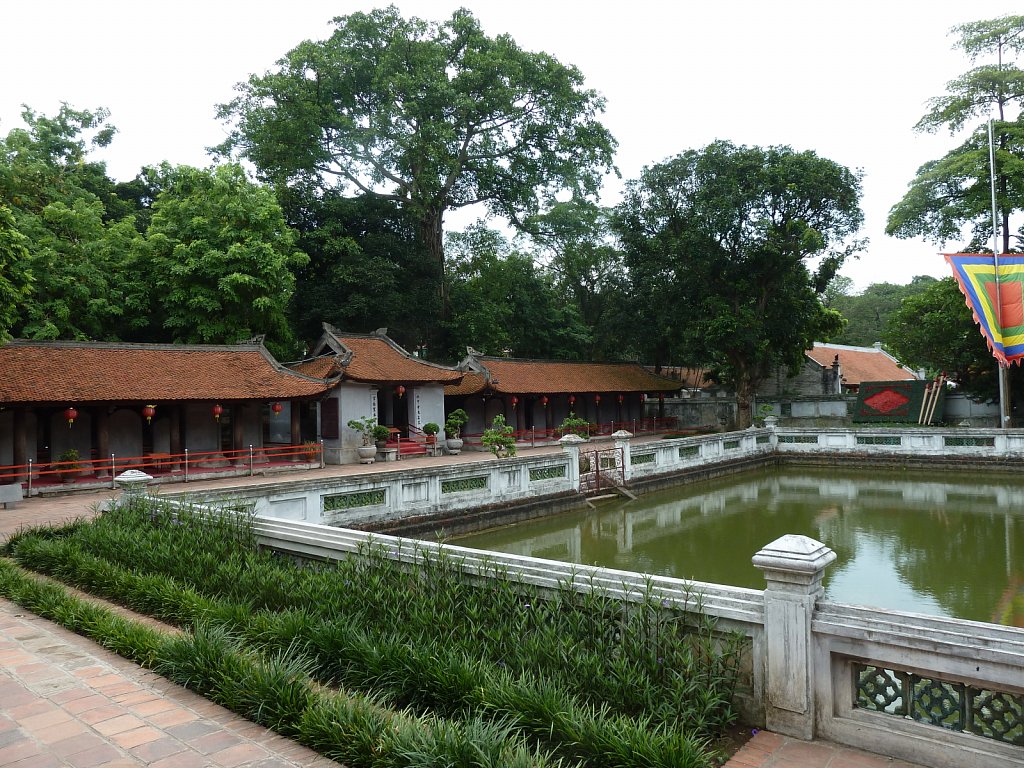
[[954, 192], [219, 257], [718, 243], [430, 428], [381, 433], [366, 427], [456, 420], [501, 301], [867, 314], [432, 116], [15, 279], [498, 438], [574, 425]]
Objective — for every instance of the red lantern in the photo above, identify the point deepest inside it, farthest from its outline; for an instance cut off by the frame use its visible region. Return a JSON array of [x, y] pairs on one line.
[[70, 414], [515, 401], [621, 398], [661, 397], [276, 408], [643, 396], [149, 412], [572, 399], [597, 399], [217, 411], [544, 401], [399, 390]]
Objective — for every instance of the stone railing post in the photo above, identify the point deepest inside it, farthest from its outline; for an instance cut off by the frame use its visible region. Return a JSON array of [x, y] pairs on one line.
[[133, 483], [793, 567], [622, 438], [571, 445]]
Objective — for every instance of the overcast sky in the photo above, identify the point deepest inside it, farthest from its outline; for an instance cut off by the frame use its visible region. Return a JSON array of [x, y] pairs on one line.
[[847, 80]]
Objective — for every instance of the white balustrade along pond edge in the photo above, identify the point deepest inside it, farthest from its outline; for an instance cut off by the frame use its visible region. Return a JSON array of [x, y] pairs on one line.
[[872, 679]]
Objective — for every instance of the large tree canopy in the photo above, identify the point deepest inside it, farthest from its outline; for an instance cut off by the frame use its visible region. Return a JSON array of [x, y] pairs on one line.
[[718, 242], [432, 116], [867, 314], [955, 191], [219, 259]]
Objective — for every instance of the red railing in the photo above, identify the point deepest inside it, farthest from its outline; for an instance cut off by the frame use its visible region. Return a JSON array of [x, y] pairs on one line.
[[159, 464], [646, 426]]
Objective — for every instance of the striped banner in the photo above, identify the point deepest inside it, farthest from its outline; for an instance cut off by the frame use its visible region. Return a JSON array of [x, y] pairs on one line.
[[998, 307]]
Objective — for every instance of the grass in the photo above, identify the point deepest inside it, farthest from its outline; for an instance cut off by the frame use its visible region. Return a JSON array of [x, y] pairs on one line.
[[561, 677]]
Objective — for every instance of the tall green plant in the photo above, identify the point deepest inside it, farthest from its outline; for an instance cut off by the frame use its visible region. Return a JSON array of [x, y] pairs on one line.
[[498, 438]]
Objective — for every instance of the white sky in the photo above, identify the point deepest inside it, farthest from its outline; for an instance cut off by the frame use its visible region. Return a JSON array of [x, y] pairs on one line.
[[847, 80]]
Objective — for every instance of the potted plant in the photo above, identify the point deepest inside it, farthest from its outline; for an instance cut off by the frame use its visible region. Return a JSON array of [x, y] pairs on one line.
[[457, 419], [311, 451], [498, 438], [574, 425], [381, 433], [430, 429], [67, 465], [365, 427]]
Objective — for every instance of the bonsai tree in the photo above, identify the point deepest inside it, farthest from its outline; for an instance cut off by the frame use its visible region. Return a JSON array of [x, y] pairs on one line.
[[574, 425], [457, 419], [498, 438], [365, 426], [430, 429], [381, 433]]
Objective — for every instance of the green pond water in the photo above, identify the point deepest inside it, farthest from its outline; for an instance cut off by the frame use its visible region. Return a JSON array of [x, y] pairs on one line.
[[949, 544]]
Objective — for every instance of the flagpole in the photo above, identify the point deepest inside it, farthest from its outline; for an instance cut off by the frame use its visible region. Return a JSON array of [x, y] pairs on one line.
[[1004, 370]]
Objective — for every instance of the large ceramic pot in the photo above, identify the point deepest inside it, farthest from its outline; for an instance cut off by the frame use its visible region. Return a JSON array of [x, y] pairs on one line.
[[367, 453], [454, 445]]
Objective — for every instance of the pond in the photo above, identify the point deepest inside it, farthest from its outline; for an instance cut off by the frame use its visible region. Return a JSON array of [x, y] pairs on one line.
[[948, 544]]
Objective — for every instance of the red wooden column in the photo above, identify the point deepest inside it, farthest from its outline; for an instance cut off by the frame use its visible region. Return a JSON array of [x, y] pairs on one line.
[[237, 431], [296, 423], [101, 422], [20, 443]]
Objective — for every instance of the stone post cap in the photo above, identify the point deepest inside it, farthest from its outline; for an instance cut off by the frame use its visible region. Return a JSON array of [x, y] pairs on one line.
[[622, 435], [794, 559], [133, 476], [571, 439]]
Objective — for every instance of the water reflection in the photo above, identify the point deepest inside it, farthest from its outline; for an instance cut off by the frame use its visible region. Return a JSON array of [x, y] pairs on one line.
[[937, 544]]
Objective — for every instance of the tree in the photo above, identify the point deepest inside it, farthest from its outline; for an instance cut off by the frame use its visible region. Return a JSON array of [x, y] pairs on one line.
[[366, 268], [219, 258], [867, 314], [577, 244], [431, 116], [15, 281], [955, 191], [935, 330], [502, 303], [75, 247], [718, 242]]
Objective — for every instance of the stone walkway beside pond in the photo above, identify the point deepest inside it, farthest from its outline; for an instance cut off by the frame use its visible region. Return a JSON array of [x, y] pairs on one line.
[[65, 701]]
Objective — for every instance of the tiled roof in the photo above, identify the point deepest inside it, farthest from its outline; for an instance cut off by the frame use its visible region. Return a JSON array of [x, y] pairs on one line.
[[551, 376], [81, 372], [376, 358], [324, 367], [860, 364]]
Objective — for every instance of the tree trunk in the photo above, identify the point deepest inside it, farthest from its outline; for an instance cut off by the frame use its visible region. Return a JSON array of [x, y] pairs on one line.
[[744, 399], [432, 232]]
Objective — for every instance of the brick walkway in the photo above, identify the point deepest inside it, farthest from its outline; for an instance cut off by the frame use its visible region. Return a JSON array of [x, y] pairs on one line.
[[65, 701], [769, 750]]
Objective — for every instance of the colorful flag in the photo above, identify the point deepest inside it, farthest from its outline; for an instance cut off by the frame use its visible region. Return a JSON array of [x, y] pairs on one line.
[[998, 306]]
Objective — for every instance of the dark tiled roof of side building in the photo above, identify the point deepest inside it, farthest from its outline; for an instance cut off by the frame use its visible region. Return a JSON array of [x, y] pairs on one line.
[[513, 375], [81, 372], [860, 364]]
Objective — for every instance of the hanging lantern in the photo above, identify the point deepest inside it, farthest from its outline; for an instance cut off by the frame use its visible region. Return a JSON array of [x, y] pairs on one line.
[[149, 412], [399, 390], [515, 401], [217, 411], [643, 396], [544, 401], [276, 408], [621, 398], [661, 397], [572, 400], [70, 414], [597, 399]]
